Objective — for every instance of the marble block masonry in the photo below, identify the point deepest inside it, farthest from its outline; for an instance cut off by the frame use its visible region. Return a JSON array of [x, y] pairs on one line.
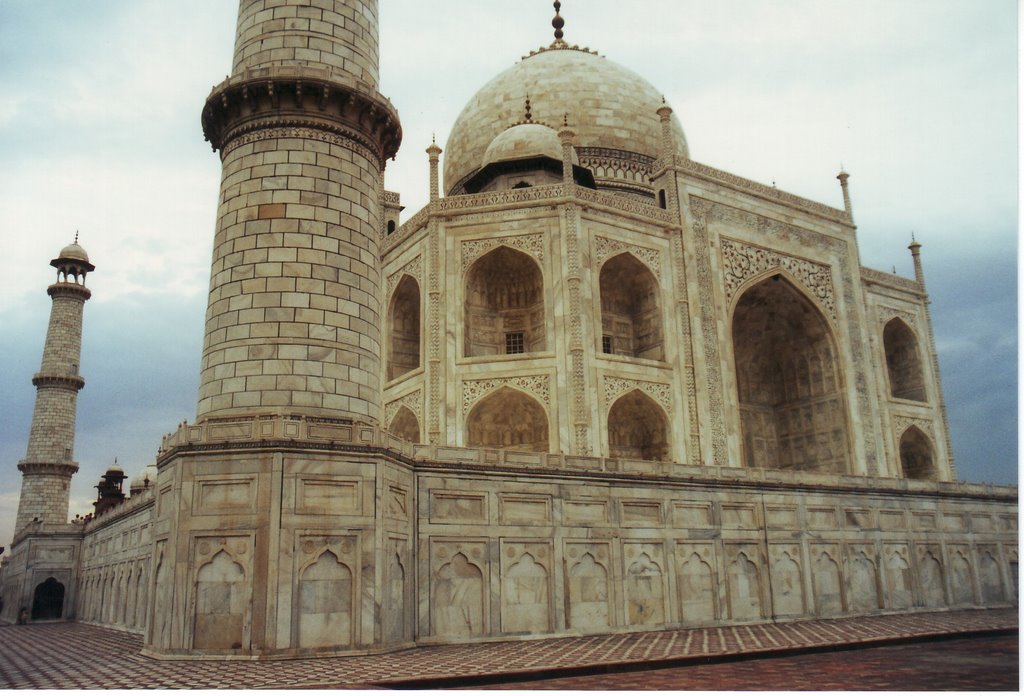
[[593, 386]]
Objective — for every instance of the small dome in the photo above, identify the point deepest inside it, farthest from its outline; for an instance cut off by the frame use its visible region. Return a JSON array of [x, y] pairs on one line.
[[114, 469], [74, 252], [525, 141]]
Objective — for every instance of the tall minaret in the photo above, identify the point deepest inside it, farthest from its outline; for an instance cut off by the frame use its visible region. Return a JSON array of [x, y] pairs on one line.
[[293, 320], [48, 465]]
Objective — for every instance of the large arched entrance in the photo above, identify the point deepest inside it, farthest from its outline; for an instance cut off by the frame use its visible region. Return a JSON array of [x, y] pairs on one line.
[[404, 328], [48, 600], [916, 458], [637, 428], [508, 419], [630, 311], [792, 410], [504, 305], [903, 361]]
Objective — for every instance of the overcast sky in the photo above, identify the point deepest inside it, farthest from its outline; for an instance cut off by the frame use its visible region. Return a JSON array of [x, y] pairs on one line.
[[99, 132]]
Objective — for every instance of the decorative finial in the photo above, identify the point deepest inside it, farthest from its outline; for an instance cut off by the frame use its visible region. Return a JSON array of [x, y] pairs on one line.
[[433, 138], [76, 236], [529, 116], [565, 119], [558, 22]]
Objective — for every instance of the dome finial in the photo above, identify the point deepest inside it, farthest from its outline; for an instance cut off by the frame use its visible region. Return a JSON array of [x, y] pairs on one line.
[[76, 236], [558, 22], [528, 117]]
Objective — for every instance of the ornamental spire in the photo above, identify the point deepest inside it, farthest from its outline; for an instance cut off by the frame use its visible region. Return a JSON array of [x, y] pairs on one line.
[[558, 23]]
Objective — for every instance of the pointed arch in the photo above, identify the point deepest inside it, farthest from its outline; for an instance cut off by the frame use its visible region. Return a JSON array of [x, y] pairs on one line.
[[588, 594], [991, 579], [789, 380], [933, 593], [864, 582], [219, 604], [405, 425], [325, 603], [508, 419], [900, 584], [48, 600], [637, 428], [404, 328], [916, 458], [524, 597], [961, 579], [458, 606], [645, 593], [787, 587], [828, 596], [697, 591], [744, 588], [903, 361], [396, 610], [631, 317], [504, 305]]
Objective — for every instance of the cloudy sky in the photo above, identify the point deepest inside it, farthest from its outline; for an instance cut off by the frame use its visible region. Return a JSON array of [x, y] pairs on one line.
[[99, 132]]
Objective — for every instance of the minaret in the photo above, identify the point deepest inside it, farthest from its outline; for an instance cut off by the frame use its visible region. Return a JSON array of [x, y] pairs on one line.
[[48, 465], [293, 320]]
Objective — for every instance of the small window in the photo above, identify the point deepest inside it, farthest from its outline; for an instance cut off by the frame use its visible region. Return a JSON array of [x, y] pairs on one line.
[[515, 342], [391, 226], [662, 202], [606, 344]]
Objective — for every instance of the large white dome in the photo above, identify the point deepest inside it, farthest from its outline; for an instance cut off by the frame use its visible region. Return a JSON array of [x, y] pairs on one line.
[[606, 105]]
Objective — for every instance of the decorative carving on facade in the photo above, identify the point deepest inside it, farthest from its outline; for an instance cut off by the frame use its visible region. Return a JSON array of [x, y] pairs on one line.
[[532, 244], [413, 401], [538, 386], [605, 247], [498, 198], [885, 314], [760, 189], [615, 387], [434, 334], [625, 204], [414, 268], [744, 261], [407, 229], [893, 281], [709, 329], [902, 423], [306, 132]]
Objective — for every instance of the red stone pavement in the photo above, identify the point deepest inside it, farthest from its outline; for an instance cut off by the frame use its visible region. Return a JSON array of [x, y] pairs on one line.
[[978, 663], [81, 656]]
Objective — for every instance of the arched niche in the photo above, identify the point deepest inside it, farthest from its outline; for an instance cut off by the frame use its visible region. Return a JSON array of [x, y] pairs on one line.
[[504, 311], [404, 328], [916, 458], [405, 425], [220, 604], [637, 428], [630, 309], [508, 419], [325, 603], [789, 381], [903, 361]]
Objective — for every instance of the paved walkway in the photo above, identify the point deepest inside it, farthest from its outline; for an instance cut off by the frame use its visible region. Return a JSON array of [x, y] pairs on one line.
[[80, 656], [981, 663]]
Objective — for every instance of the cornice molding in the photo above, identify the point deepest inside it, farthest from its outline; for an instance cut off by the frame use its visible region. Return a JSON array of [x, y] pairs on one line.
[[298, 97]]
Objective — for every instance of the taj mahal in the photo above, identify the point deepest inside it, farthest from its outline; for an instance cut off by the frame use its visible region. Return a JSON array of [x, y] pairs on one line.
[[592, 386]]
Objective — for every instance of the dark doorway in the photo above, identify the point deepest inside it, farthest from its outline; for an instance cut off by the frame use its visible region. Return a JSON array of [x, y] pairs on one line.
[[48, 601]]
